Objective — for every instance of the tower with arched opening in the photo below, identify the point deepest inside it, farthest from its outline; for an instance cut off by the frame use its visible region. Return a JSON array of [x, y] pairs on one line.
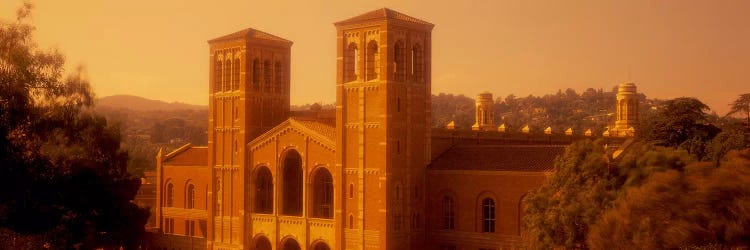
[[626, 121], [382, 120]]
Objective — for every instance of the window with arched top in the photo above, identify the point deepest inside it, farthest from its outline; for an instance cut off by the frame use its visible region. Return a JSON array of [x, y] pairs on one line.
[[236, 74], [351, 221], [372, 61], [351, 190], [351, 56], [488, 215], [292, 184], [226, 85], [190, 196], [263, 191], [322, 194], [399, 61], [290, 244], [217, 75], [170, 195], [256, 75], [449, 213], [267, 76], [321, 246], [279, 75], [417, 63], [262, 243]]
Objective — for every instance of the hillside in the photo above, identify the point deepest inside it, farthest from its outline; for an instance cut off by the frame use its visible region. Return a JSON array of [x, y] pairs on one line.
[[137, 103]]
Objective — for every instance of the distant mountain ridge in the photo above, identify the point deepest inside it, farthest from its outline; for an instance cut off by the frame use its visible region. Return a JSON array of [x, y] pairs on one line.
[[137, 103]]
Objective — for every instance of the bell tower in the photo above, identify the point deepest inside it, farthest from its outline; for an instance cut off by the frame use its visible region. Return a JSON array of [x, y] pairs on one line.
[[382, 119], [248, 95]]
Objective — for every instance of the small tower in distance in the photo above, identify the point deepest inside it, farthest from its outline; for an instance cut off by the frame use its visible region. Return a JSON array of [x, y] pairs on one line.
[[627, 110], [485, 114]]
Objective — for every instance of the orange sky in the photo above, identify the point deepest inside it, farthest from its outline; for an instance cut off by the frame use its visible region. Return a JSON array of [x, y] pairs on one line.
[[157, 49]]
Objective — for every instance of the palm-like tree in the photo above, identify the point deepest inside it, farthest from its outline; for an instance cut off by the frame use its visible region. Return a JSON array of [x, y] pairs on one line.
[[741, 105]]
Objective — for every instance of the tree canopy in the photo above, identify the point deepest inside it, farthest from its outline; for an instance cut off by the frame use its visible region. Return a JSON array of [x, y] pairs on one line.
[[64, 174]]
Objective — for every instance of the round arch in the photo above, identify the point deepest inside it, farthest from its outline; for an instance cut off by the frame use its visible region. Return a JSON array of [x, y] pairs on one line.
[[289, 243], [291, 182], [190, 193], [262, 189], [486, 211], [261, 242], [320, 245], [320, 196]]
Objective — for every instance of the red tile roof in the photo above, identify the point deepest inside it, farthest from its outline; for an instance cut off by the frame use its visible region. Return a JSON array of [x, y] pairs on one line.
[[384, 13], [324, 129], [250, 33], [531, 158]]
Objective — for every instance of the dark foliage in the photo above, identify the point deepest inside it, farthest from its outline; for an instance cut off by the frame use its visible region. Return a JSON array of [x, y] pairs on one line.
[[64, 175]]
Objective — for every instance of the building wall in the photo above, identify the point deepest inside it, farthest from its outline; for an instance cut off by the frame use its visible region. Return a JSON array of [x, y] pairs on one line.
[[307, 229], [468, 189], [174, 219]]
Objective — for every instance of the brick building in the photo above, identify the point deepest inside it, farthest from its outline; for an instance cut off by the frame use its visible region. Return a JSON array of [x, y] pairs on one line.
[[372, 175]]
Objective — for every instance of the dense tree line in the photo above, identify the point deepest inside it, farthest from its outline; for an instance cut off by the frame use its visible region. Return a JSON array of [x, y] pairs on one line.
[[683, 184], [592, 109], [63, 174]]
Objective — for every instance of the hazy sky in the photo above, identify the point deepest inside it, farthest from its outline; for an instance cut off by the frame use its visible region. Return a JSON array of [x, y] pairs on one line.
[[158, 49]]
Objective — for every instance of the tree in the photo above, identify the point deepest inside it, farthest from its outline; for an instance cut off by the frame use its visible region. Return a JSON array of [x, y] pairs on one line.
[[561, 210], [585, 185], [741, 105], [681, 122], [703, 205], [62, 169]]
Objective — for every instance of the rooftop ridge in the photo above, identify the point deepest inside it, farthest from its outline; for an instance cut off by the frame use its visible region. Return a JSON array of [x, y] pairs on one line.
[[384, 13], [250, 33]]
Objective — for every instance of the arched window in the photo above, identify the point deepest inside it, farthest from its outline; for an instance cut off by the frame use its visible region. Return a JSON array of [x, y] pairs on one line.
[[267, 77], [321, 246], [236, 74], [217, 75], [351, 56], [263, 191], [279, 81], [351, 221], [256, 74], [372, 61], [449, 213], [351, 190], [262, 243], [292, 183], [190, 196], [170, 195], [290, 244], [488, 215], [417, 63], [399, 61], [323, 194], [226, 86]]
